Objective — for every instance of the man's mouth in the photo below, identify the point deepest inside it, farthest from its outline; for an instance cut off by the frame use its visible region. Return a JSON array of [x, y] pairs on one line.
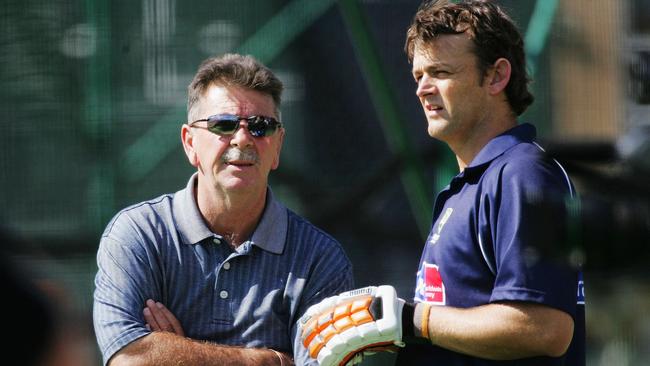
[[240, 163], [433, 107]]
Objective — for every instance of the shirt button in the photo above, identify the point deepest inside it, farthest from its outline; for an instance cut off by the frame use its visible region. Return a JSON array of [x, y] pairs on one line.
[[216, 241], [223, 294], [226, 266]]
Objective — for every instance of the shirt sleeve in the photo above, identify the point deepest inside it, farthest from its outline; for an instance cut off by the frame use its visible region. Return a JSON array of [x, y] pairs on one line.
[[332, 275], [125, 280], [528, 221]]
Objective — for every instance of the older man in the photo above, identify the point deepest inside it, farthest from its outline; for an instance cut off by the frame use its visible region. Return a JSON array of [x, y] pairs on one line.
[[221, 268]]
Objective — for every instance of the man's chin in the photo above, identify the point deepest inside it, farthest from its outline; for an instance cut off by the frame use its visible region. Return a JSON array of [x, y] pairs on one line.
[[237, 184], [436, 129]]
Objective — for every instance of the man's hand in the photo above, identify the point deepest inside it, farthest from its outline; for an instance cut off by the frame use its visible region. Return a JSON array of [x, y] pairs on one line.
[[338, 329], [159, 318]]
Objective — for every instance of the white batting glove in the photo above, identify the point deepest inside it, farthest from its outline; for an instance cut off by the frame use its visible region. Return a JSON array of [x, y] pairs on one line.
[[338, 329]]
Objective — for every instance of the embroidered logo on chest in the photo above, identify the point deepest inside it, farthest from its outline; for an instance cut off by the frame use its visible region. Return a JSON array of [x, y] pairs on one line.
[[441, 223]]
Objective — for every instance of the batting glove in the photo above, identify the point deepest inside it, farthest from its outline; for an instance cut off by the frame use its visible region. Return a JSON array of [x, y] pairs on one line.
[[339, 329]]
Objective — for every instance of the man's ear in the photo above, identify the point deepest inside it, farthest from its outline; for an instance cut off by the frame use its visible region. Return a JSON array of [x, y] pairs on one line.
[[499, 76], [187, 138]]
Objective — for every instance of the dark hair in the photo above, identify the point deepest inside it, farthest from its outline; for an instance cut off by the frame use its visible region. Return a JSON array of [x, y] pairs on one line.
[[493, 33], [234, 70]]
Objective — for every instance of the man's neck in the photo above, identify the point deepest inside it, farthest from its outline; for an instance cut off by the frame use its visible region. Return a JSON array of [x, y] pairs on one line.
[[233, 216], [471, 144]]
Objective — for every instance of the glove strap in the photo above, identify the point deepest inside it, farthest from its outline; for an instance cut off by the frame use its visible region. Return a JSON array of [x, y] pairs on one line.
[[408, 327]]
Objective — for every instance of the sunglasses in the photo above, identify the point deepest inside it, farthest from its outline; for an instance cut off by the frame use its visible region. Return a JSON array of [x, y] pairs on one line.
[[228, 124]]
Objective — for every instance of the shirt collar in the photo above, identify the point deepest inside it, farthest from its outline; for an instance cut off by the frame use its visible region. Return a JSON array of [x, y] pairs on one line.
[[524, 132], [270, 233], [188, 219]]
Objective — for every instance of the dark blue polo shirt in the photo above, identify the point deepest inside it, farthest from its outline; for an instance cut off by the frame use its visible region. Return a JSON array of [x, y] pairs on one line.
[[500, 234]]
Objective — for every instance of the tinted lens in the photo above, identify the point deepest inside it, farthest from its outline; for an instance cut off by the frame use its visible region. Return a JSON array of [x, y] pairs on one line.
[[261, 126], [223, 124], [227, 124]]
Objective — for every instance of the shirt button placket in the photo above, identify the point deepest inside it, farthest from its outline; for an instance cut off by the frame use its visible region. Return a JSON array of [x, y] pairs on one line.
[[223, 294]]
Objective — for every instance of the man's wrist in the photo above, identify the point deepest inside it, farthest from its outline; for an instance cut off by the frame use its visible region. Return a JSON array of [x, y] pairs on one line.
[[283, 359], [280, 358], [420, 320]]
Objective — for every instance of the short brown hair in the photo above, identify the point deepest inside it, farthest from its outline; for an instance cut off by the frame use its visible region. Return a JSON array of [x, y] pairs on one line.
[[492, 32], [234, 70]]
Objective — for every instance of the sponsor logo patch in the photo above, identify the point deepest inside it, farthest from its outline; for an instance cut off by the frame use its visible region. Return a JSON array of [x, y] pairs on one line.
[[430, 286]]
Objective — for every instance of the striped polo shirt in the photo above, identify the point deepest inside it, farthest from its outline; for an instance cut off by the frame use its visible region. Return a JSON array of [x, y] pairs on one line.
[[250, 296]]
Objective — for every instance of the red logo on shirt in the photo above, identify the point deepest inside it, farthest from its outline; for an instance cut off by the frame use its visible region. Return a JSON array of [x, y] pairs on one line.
[[434, 289]]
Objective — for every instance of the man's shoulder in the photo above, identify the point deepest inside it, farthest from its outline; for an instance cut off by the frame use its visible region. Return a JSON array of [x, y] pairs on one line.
[[153, 210], [306, 227], [524, 159], [528, 166], [304, 232]]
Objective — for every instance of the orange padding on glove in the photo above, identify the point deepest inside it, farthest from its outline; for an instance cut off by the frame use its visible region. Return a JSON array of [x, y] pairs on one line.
[[334, 321]]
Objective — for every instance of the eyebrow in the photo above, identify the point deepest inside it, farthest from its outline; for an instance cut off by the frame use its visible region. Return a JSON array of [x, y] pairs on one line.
[[430, 67]]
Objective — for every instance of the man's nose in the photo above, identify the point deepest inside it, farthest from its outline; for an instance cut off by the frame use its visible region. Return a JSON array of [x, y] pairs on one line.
[[425, 86], [242, 137]]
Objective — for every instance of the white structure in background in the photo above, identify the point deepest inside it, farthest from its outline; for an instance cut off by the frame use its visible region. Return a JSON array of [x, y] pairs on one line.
[[160, 78], [219, 37], [79, 41]]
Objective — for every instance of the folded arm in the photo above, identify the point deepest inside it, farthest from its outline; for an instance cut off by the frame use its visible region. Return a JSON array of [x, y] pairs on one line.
[[165, 348], [166, 345]]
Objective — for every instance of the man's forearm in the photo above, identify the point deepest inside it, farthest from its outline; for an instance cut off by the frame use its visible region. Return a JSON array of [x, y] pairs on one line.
[[164, 348], [498, 331]]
